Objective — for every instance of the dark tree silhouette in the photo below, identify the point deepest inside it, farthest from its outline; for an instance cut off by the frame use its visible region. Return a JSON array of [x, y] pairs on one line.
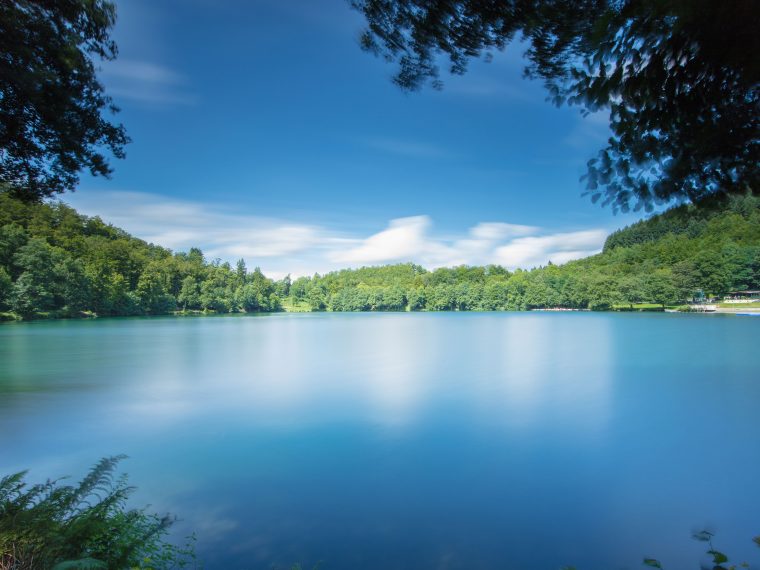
[[678, 77], [52, 105]]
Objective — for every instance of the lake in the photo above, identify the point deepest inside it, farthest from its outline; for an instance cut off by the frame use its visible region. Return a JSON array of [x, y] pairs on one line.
[[414, 441]]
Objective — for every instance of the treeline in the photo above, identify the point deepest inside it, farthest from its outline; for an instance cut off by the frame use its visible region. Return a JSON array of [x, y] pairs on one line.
[[666, 260], [687, 219], [56, 262]]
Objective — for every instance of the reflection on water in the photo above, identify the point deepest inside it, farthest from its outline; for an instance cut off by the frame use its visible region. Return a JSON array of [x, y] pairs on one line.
[[405, 440]]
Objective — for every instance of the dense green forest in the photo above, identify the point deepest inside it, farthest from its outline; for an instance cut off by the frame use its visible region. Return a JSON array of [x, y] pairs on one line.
[[55, 262]]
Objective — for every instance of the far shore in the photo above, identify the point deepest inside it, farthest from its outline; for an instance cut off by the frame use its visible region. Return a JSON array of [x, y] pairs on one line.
[[7, 317]]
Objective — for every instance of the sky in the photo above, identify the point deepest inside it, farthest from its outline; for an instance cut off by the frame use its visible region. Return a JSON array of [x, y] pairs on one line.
[[260, 130]]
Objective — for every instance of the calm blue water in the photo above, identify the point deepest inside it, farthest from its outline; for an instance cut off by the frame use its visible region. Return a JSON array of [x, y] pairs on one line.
[[414, 441]]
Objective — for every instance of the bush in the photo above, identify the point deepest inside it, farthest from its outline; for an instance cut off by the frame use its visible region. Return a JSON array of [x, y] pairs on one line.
[[51, 526]]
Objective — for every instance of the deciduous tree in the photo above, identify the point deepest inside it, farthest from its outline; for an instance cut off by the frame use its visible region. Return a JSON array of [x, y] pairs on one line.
[[53, 108], [679, 79]]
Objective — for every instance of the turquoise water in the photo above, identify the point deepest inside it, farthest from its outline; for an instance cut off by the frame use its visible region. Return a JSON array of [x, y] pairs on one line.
[[447, 440]]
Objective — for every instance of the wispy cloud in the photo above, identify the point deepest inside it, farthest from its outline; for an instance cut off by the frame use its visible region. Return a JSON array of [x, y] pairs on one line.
[[146, 82], [511, 245], [557, 248], [182, 224], [282, 246], [405, 239], [495, 231]]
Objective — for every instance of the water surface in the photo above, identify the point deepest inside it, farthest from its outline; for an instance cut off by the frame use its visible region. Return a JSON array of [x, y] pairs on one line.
[[390, 441]]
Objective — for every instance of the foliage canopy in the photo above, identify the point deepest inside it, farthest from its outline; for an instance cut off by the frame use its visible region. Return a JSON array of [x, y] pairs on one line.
[[52, 105], [679, 79], [55, 262]]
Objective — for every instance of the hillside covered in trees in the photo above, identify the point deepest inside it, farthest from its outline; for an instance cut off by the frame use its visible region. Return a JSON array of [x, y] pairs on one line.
[[55, 262]]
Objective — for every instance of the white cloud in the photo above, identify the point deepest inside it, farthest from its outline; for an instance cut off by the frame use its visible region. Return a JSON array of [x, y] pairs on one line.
[[558, 248], [145, 82], [494, 231], [405, 239], [282, 246], [142, 71], [181, 224], [409, 239]]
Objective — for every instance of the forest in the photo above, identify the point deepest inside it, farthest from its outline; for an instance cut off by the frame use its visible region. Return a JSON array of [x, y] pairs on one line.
[[55, 262]]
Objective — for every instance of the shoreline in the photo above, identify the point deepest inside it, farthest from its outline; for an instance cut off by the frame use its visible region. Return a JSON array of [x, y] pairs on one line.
[[9, 319]]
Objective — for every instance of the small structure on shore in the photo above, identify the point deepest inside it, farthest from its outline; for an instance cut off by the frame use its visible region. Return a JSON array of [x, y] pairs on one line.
[[739, 297], [703, 308]]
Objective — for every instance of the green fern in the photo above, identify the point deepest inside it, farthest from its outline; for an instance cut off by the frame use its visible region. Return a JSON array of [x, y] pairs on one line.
[[51, 526]]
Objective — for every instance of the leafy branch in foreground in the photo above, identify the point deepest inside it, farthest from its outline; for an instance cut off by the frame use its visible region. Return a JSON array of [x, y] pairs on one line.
[[678, 79], [54, 112], [88, 526]]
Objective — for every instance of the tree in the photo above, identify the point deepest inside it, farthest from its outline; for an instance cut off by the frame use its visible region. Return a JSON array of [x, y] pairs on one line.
[[282, 287], [248, 298], [151, 289], [240, 272], [12, 238], [317, 295], [416, 298], [35, 289], [685, 280], [495, 295], [73, 285], [678, 78], [51, 102], [118, 299], [659, 288], [632, 289], [214, 293], [602, 292], [712, 272], [395, 298], [5, 288], [440, 297], [189, 295], [298, 288]]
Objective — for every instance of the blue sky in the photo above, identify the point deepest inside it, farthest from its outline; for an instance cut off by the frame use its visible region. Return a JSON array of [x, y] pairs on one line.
[[261, 130]]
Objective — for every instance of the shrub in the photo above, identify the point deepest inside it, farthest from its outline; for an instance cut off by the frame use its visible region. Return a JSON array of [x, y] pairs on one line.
[[51, 526]]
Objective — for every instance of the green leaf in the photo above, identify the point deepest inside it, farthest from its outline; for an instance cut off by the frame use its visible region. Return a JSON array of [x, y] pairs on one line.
[[756, 540], [652, 563], [702, 536], [718, 557]]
